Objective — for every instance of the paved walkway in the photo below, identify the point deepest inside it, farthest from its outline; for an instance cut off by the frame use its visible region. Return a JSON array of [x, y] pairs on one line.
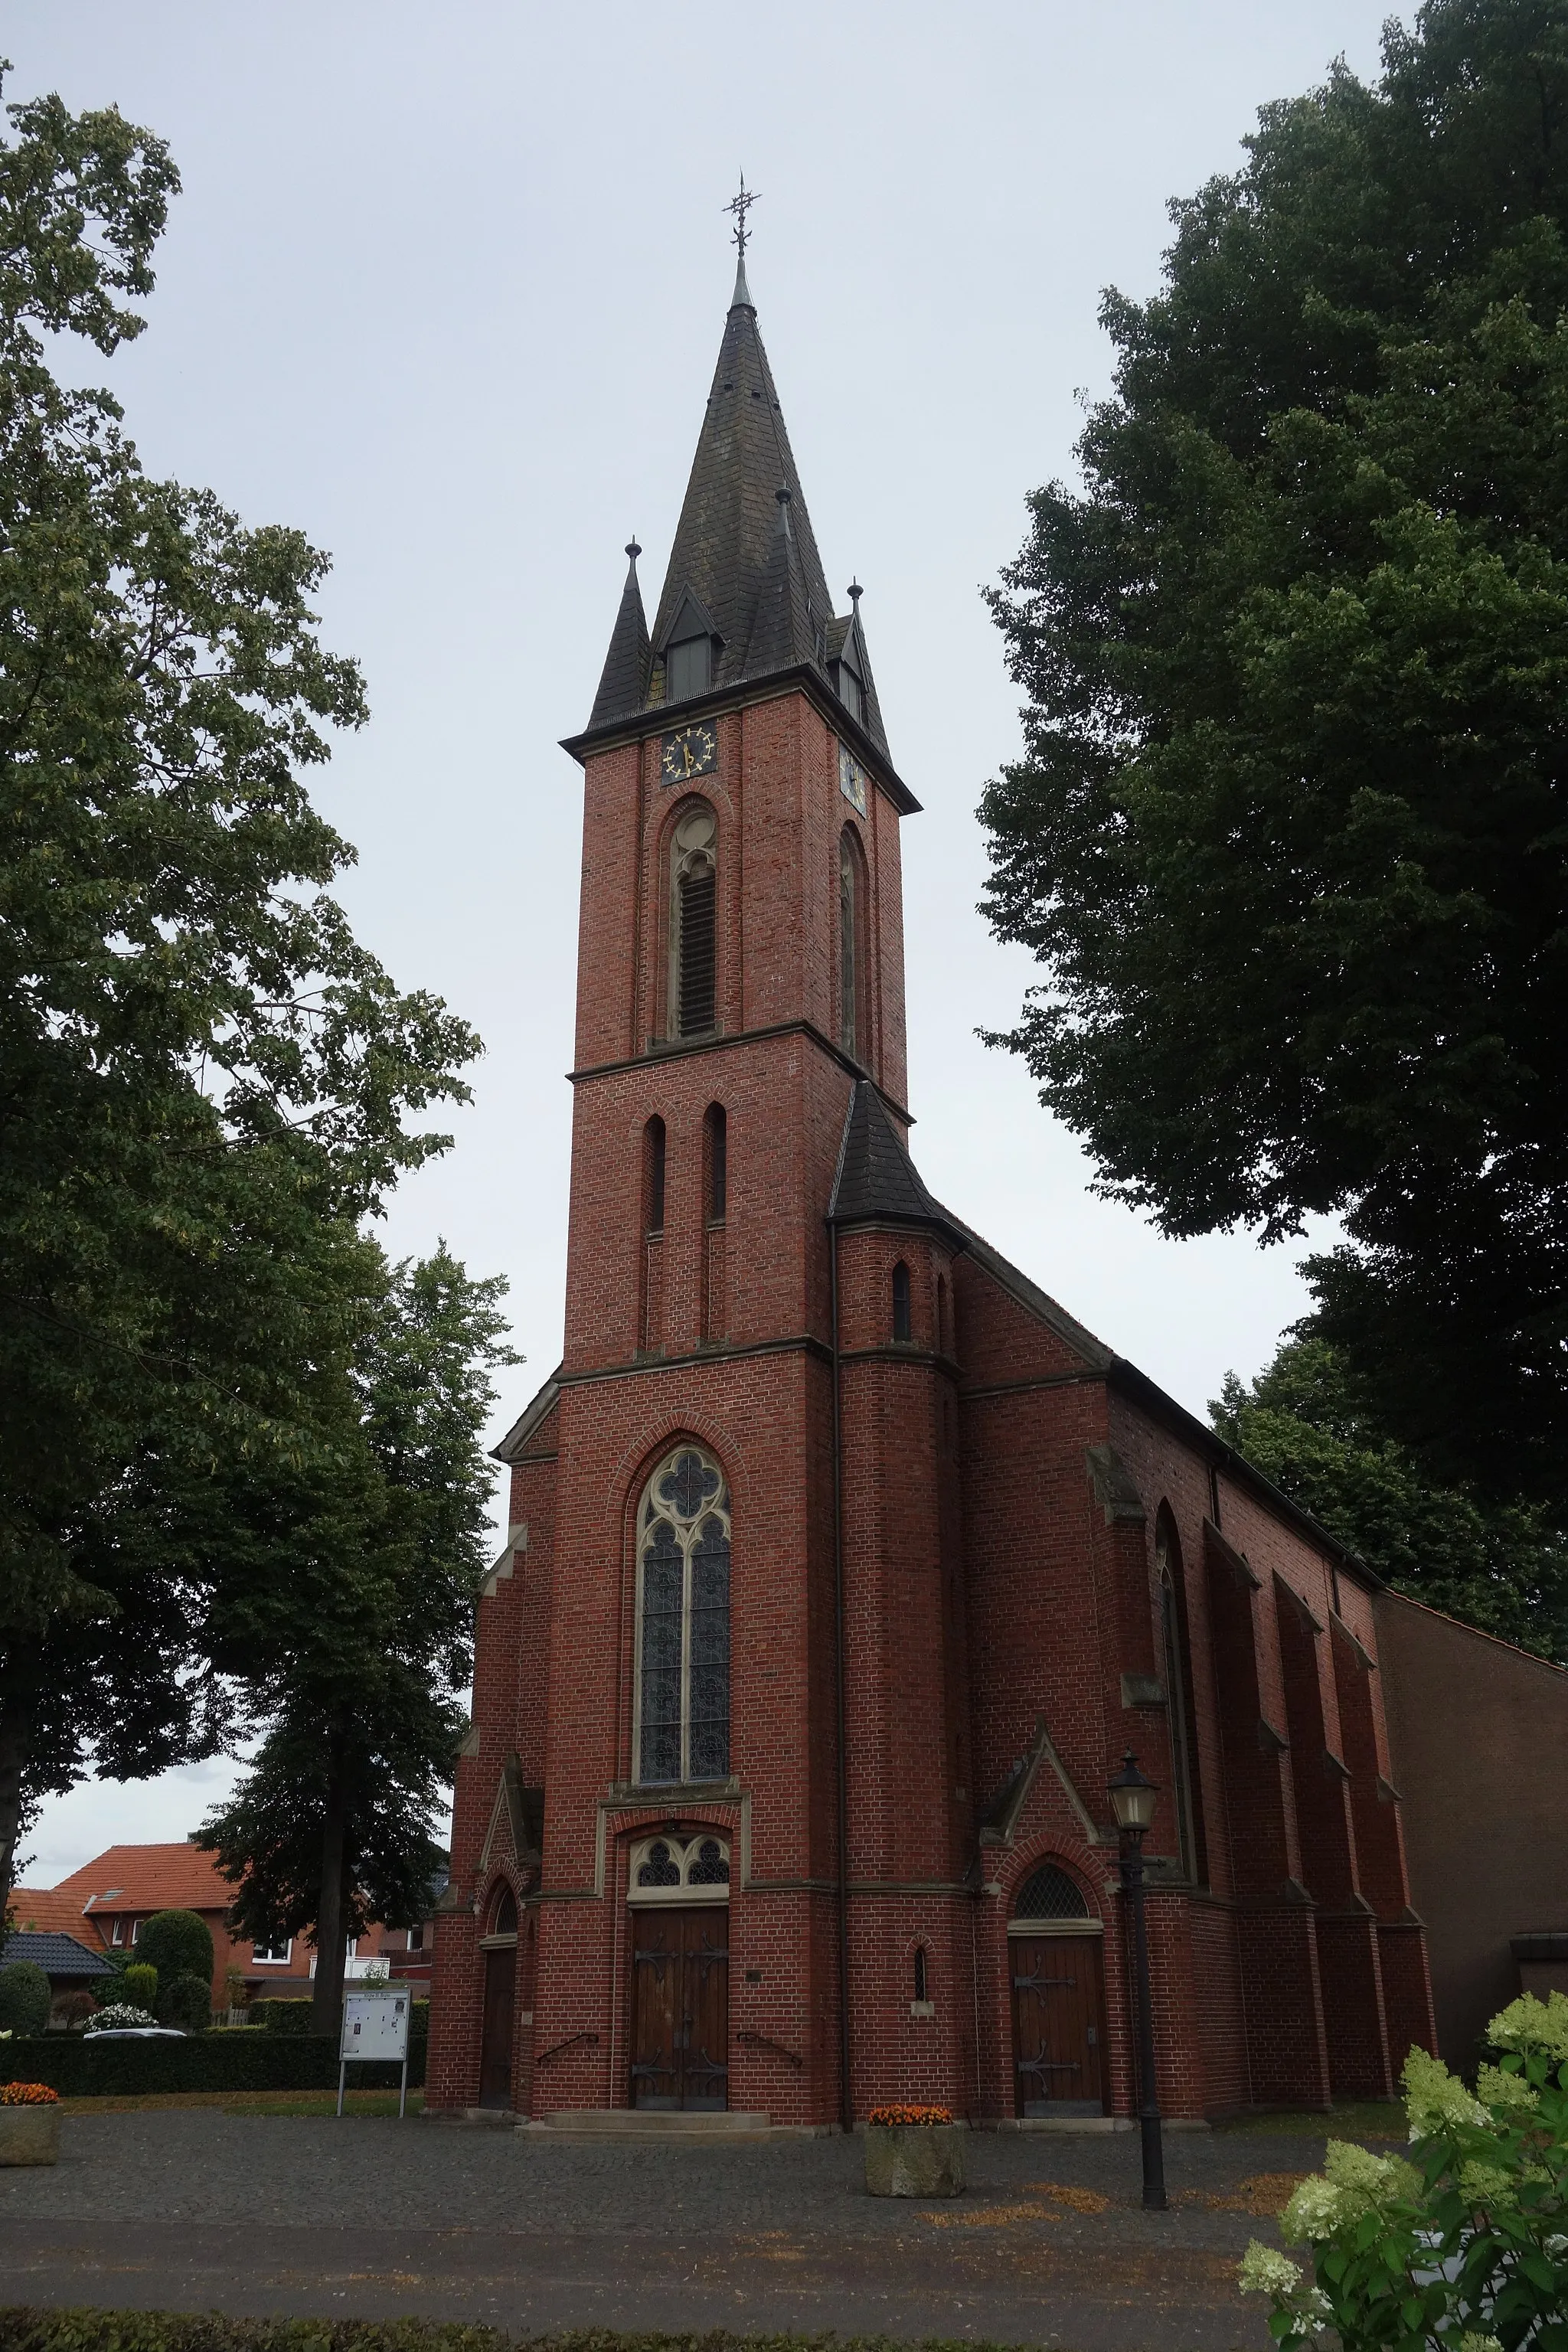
[[306, 2215]]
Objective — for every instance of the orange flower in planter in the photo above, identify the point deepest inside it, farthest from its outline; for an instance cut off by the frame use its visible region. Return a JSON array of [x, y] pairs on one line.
[[905, 2111], [27, 2094]]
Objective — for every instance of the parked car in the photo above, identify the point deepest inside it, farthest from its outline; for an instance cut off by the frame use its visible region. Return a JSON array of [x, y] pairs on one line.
[[139, 2033]]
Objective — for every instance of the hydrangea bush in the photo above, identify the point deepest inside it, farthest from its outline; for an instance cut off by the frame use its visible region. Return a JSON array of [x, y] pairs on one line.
[[119, 2013], [1461, 2245]]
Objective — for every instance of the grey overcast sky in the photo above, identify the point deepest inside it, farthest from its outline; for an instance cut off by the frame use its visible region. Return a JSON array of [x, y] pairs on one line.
[[445, 289]]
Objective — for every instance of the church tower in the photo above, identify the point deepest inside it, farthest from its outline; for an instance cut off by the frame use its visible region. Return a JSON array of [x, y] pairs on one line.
[[843, 1564]]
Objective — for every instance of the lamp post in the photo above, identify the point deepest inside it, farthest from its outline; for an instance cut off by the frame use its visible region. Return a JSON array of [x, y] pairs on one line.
[[1132, 1802]]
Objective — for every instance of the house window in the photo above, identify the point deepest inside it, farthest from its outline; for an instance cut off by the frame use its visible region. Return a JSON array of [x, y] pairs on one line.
[[117, 1931], [275, 1955], [688, 669], [135, 1929], [851, 944], [693, 924], [416, 1939], [717, 1142], [682, 1732], [901, 1324]]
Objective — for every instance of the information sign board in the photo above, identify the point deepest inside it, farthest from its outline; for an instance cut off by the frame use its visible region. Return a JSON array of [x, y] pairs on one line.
[[375, 2025]]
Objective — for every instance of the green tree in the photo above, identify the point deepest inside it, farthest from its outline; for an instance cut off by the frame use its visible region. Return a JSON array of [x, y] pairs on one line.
[[358, 1644], [1287, 838], [177, 1944], [1501, 1566], [204, 1080]]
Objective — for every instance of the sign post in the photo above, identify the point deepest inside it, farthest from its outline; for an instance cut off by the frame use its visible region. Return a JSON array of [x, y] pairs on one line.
[[375, 2026]]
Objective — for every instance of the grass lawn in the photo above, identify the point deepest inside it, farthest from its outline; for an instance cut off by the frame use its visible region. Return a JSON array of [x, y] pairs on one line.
[[253, 2102], [1357, 2119]]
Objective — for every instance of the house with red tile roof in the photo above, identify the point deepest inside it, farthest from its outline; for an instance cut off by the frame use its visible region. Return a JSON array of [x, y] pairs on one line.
[[104, 1903]]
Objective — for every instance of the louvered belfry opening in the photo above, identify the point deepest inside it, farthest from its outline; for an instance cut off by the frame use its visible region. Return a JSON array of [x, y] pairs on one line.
[[698, 909]]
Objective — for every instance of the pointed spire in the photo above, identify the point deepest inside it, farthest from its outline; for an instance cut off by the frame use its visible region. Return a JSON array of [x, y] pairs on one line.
[[740, 299], [622, 686], [784, 632]]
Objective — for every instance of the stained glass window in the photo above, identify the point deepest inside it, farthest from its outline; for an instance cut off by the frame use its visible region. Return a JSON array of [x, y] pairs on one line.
[[661, 1868], [683, 1674]]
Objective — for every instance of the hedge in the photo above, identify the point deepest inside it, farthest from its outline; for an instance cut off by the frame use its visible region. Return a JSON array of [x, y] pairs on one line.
[[78, 2066], [23, 2329]]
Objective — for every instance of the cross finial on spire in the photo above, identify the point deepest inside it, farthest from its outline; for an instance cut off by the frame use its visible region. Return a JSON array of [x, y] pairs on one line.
[[741, 206]]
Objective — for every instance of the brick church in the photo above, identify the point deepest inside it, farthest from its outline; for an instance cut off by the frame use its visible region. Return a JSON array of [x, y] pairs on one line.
[[843, 1564]]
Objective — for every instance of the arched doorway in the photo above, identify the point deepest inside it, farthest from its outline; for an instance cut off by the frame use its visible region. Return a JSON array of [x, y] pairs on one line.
[[1057, 1977], [499, 1944], [678, 1893]]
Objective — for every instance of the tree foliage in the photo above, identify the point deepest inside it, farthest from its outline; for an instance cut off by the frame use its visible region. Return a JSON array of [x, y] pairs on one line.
[[177, 1944], [348, 1617], [1501, 1566], [205, 1081], [1289, 833]]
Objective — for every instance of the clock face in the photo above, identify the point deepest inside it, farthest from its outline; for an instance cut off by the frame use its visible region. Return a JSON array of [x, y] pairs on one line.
[[691, 753], [851, 780]]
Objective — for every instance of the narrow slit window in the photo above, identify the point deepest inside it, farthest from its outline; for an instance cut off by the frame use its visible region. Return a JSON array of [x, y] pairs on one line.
[[653, 1176], [717, 1162], [921, 1994], [902, 1328], [851, 945]]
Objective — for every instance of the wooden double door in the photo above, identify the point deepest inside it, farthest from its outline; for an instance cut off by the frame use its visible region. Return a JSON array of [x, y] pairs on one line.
[[680, 2007], [1058, 2024]]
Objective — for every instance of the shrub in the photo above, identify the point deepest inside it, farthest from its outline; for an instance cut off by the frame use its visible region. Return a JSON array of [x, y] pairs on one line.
[[31, 2330], [75, 2008], [177, 1944], [1464, 2244], [235, 1988], [119, 2013], [138, 1983], [84, 2066], [25, 1997], [27, 2094], [186, 2001], [284, 2016]]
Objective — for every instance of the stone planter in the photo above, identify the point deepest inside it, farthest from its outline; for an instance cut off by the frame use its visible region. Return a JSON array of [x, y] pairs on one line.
[[30, 2135], [914, 2159]]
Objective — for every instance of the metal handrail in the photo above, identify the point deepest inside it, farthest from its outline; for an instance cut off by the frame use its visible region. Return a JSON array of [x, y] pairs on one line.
[[768, 2042], [557, 2047]]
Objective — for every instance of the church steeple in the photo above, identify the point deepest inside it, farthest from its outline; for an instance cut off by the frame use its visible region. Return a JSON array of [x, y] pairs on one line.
[[744, 555], [623, 684]]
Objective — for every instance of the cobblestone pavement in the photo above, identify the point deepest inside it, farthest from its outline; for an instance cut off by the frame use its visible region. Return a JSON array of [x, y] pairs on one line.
[[373, 2218]]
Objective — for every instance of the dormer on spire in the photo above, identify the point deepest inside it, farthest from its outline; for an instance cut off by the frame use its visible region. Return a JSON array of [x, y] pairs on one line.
[[623, 683]]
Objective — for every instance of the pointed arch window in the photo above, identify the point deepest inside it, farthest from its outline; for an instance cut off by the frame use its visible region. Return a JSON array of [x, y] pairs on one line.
[[852, 975], [693, 923], [1179, 1697], [682, 1732]]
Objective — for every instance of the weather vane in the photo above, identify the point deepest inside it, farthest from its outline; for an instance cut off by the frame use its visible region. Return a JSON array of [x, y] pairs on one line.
[[741, 206]]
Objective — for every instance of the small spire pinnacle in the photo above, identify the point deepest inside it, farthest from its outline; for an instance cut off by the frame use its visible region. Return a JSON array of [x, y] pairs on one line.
[[856, 593], [741, 206], [634, 551]]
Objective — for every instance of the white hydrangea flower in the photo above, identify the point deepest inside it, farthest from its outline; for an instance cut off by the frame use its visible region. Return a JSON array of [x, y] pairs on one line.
[[1511, 2092], [1434, 2097], [118, 2013], [1472, 2342], [1528, 2023], [1264, 2270], [1312, 2212]]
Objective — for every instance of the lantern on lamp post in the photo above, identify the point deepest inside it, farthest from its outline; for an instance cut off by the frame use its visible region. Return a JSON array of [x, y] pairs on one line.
[[1132, 1802]]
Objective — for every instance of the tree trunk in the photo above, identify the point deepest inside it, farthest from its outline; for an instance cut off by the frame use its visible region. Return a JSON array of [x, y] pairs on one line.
[[16, 1748], [327, 1993]]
